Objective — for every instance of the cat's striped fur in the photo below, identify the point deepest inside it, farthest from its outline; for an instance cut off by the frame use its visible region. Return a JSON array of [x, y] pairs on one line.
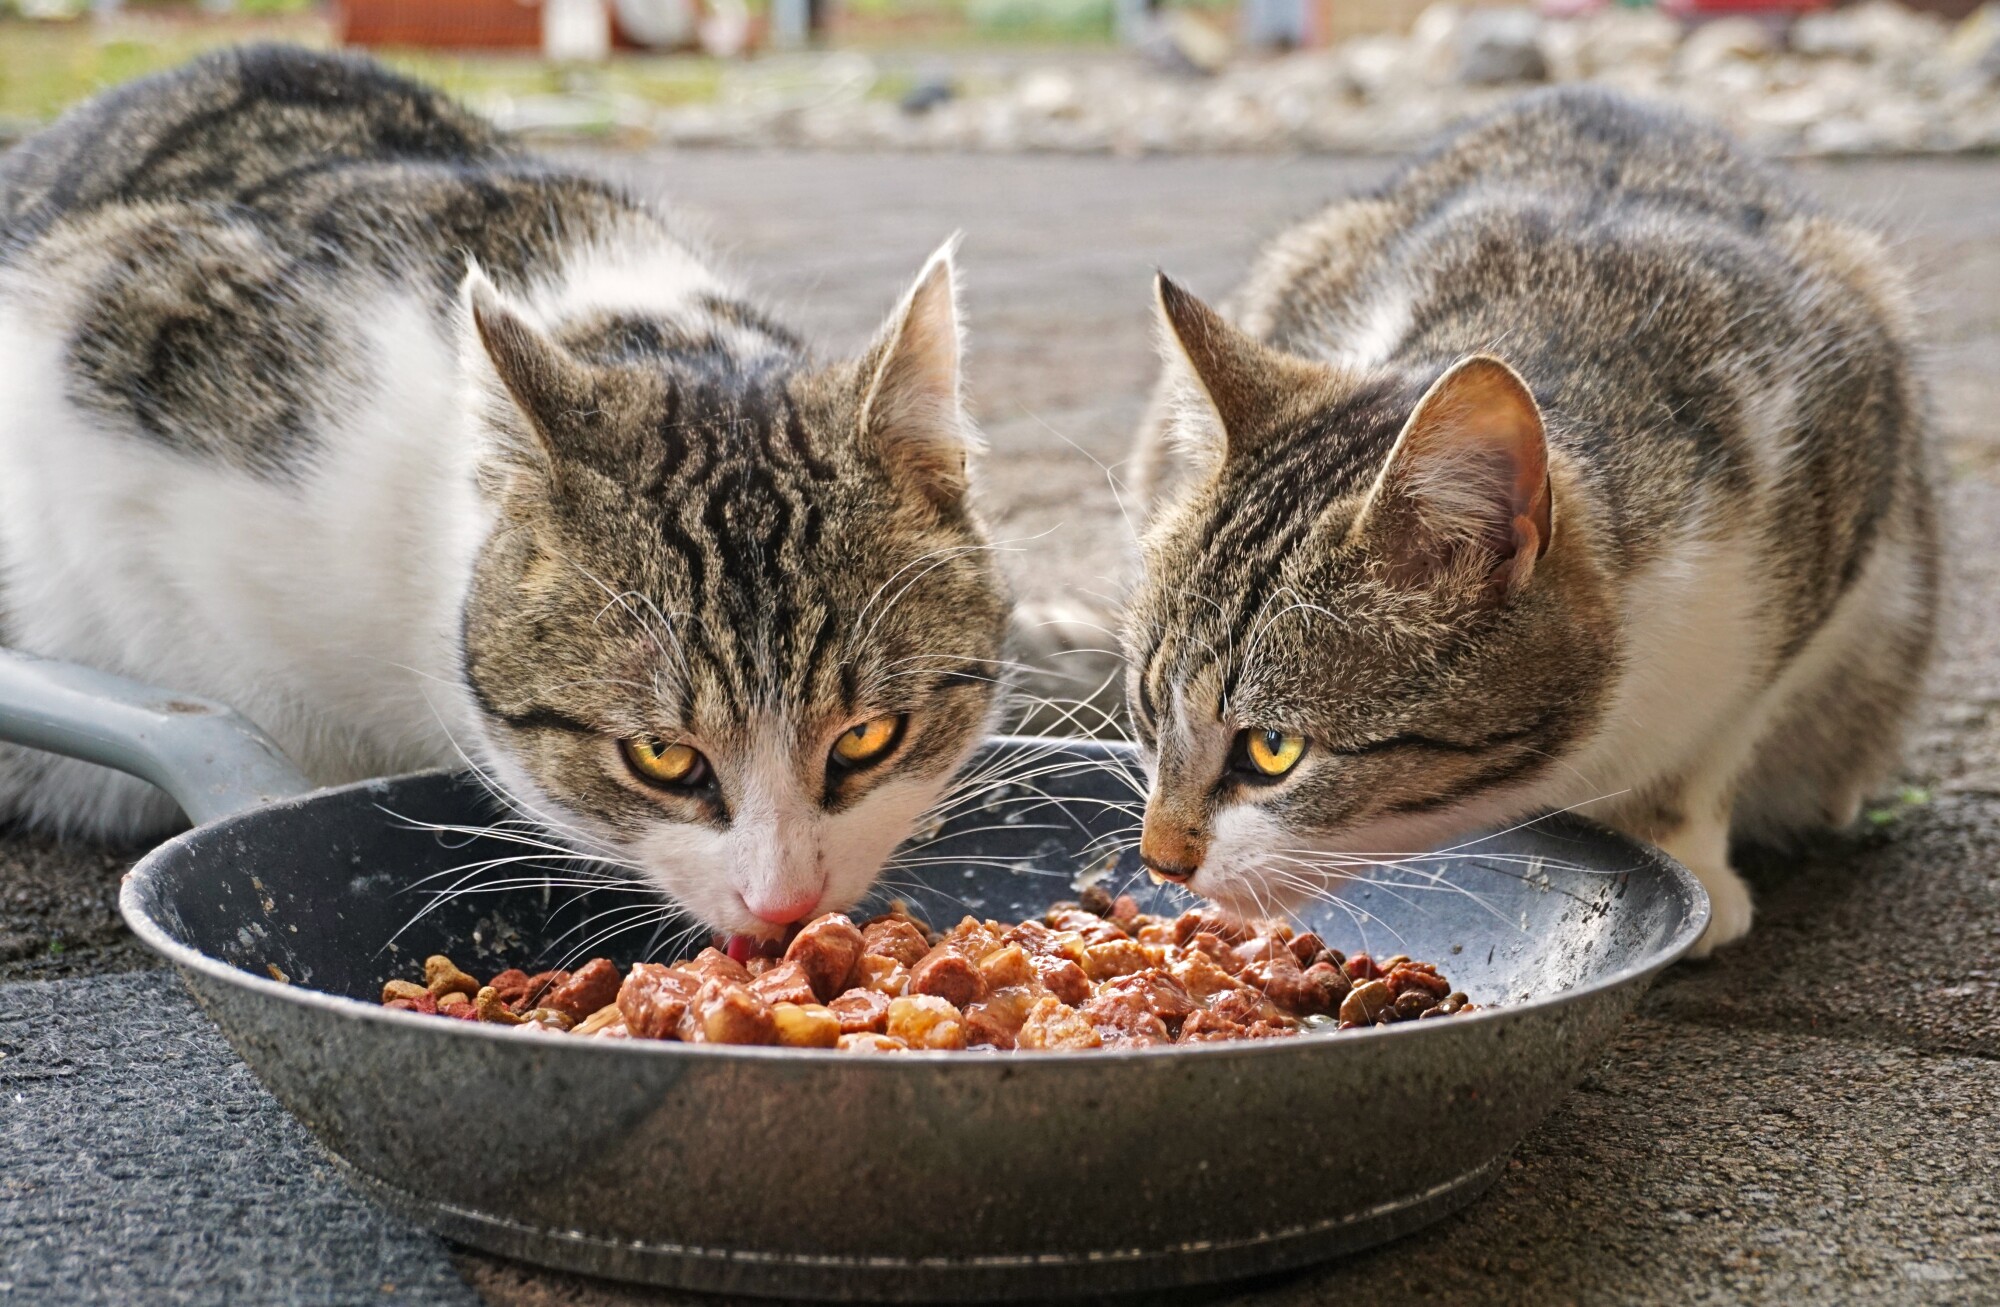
[[1723, 621], [318, 397]]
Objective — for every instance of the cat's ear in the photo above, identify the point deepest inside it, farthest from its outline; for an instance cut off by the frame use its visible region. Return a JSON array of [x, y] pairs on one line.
[[1234, 390], [912, 412], [534, 392], [1465, 490]]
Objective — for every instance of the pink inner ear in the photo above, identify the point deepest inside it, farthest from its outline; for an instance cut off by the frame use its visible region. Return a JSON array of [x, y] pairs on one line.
[[1471, 469]]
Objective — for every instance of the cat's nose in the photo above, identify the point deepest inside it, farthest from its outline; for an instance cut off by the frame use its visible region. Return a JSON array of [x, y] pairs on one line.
[[1169, 851], [784, 908]]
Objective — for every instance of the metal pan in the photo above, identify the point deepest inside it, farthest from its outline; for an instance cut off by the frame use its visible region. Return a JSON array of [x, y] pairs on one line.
[[825, 1175]]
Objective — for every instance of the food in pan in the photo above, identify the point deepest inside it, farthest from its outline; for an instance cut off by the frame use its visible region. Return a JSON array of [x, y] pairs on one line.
[[1093, 973]]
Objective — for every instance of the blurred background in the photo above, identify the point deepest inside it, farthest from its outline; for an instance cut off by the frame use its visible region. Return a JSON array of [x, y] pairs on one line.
[[1118, 76]]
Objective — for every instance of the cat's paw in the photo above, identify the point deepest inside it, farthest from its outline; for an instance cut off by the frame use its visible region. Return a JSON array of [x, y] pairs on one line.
[[1729, 908]]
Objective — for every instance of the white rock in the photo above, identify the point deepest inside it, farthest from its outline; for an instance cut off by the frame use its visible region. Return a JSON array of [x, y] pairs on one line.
[[1726, 40], [1878, 31], [1495, 47]]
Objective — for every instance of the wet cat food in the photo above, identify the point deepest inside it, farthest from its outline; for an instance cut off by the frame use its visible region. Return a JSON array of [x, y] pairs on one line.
[[1093, 973]]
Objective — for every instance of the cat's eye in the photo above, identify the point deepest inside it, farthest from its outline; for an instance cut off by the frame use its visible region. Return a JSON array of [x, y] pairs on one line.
[[660, 763], [1271, 753], [869, 741]]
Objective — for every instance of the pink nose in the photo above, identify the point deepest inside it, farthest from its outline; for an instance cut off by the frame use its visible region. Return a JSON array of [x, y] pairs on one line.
[[783, 911]]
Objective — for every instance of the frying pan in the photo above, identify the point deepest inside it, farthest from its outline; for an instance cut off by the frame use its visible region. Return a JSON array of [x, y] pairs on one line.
[[817, 1174]]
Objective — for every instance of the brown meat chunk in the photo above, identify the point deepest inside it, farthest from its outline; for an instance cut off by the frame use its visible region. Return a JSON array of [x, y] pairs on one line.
[[591, 987], [948, 974], [1209, 921], [1161, 993], [1246, 1007], [728, 1013], [999, 1019], [1199, 975], [894, 937], [784, 983], [1005, 967], [714, 964], [1064, 979], [1418, 975], [828, 948], [1307, 948], [1093, 928], [1123, 1020], [654, 998], [1209, 1028], [861, 1010]]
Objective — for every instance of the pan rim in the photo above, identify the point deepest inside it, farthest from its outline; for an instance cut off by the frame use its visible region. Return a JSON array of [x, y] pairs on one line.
[[137, 890]]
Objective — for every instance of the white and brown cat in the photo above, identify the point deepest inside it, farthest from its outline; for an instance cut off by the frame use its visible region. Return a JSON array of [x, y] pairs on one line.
[[708, 610], [1583, 464]]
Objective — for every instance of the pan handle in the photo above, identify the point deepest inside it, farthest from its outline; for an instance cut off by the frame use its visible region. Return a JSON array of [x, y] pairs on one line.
[[213, 762]]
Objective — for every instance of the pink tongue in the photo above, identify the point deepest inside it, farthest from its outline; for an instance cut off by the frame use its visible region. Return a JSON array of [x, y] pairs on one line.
[[743, 947]]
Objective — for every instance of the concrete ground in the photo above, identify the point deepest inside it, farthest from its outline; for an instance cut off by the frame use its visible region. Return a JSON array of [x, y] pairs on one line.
[[1812, 1117]]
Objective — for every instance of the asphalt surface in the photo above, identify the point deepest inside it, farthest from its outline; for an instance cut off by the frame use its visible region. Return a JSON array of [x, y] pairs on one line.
[[1813, 1116]]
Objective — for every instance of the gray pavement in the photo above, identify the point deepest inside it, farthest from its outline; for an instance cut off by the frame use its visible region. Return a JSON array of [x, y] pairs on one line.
[[1814, 1116]]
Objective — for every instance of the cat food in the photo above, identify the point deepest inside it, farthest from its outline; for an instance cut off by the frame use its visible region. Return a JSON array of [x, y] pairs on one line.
[[1093, 973]]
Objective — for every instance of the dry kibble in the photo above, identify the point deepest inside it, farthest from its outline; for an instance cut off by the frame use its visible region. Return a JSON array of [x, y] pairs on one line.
[[442, 976], [1095, 974], [487, 1003], [1366, 1003], [1413, 1003]]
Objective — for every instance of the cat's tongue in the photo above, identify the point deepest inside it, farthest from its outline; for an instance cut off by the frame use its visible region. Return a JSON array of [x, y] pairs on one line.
[[744, 947]]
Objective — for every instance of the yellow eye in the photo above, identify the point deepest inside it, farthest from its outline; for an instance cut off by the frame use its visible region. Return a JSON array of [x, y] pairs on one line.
[[868, 741], [664, 764], [1273, 753]]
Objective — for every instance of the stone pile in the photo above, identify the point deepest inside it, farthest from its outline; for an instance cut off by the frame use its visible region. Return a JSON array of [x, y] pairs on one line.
[[1871, 79]]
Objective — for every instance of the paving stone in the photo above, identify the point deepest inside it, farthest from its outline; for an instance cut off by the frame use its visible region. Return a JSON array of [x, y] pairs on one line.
[[144, 1164]]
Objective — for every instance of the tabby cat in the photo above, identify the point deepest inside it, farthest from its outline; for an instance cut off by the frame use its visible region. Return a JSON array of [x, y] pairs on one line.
[[319, 398], [1583, 464]]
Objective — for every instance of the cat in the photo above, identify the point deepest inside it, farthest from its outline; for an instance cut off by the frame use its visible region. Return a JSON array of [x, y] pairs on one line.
[[1584, 464], [320, 399]]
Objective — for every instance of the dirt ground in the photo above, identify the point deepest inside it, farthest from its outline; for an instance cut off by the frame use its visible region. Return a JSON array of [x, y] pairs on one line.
[[1814, 1116]]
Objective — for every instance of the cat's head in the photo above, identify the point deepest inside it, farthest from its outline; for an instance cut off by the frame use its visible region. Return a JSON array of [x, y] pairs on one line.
[[1366, 625], [736, 625]]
